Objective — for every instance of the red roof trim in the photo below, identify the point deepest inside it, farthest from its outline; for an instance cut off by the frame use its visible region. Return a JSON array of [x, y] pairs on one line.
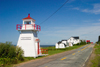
[[28, 17], [37, 40]]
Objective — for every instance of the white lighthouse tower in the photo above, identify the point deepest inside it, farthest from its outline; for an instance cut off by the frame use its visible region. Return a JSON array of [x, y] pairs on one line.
[[28, 39]]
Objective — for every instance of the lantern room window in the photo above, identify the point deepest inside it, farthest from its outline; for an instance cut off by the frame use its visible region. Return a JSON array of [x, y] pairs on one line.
[[27, 22]]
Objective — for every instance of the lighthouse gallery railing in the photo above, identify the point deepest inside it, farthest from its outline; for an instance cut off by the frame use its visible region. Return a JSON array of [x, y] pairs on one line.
[[28, 27]]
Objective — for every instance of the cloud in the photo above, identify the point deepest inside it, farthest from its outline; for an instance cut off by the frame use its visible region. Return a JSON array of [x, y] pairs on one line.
[[76, 8], [92, 21], [85, 10], [88, 21], [98, 24], [99, 20], [58, 33], [95, 10]]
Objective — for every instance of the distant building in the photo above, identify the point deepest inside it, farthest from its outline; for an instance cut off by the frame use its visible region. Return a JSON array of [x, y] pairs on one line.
[[73, 40], [87, 41], [66, 43], [62, 44]]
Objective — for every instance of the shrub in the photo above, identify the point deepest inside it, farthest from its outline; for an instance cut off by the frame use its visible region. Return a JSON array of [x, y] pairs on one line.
[[82, 42], [7, 50], [10, 54], [7, 61], [19, 53], [98, 42]]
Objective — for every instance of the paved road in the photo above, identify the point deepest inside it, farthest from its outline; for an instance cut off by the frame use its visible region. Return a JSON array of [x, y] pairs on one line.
[[73, 58]]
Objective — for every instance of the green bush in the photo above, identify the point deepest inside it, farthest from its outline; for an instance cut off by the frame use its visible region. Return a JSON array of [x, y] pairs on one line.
[[7, 50], [7, 61], [98, 42], [10, 54], [19, 53], [82, 42]]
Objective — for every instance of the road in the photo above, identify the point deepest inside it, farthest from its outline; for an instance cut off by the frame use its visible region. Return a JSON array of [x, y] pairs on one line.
[[73, 58]]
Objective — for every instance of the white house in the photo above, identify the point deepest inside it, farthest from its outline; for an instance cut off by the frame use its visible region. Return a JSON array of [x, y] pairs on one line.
[[73, 40], [66, 43], [62, 44], [28, 39]]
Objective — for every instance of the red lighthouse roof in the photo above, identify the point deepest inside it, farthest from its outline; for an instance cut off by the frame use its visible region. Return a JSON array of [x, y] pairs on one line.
[[28, 17]]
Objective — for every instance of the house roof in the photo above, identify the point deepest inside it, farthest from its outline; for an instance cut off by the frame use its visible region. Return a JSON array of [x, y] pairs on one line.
[[76, 37], [28, 17], [64, 40], [59, 42]]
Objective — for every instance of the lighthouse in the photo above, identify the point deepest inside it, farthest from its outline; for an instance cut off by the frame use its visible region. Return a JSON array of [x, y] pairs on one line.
[[28, 39]]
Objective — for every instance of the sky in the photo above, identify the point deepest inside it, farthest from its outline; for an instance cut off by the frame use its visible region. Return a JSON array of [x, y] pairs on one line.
[[76, 18]]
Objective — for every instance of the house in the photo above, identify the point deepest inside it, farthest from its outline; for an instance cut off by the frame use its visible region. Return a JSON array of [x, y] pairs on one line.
[[62, 44], [73, 40], [66, 43], [87, 41]]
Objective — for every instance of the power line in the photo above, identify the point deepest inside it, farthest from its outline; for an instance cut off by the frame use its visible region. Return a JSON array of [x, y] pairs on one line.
[[54, 12]]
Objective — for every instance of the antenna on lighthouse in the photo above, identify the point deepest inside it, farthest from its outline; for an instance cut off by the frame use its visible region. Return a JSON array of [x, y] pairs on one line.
[[28, 15]]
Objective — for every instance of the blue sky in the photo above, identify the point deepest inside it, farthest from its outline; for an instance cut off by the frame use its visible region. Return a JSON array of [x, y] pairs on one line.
[[76, 18]]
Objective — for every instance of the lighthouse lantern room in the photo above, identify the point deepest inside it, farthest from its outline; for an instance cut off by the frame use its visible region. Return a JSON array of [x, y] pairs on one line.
[[28, 39]]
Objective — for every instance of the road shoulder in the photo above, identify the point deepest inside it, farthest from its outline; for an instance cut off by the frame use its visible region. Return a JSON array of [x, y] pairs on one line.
[[88, 63]]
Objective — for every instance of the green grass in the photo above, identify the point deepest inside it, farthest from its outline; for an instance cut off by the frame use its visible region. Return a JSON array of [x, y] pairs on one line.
[[96, 60], [53, 50]]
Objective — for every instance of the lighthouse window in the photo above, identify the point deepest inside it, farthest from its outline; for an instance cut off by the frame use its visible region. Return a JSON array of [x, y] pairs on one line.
[[28, 22]]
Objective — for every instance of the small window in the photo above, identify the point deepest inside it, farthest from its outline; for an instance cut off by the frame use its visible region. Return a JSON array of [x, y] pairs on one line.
[[27, 22]]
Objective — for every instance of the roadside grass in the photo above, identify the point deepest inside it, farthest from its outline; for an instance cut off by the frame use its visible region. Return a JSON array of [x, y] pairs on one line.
[[51, 51], [96, 60]]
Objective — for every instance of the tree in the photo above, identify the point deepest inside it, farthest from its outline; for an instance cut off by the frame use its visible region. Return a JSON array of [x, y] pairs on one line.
[[99, 39]]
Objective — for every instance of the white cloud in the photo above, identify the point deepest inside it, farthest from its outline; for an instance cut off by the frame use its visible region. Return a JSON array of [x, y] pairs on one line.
[[99, 20], [98, 24], [85, 10], [76, 8], [92, 21], [58, 33], [88, 21], [95, 10]]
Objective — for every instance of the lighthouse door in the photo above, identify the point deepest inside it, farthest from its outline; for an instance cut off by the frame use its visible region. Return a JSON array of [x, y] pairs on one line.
[[38, 47]]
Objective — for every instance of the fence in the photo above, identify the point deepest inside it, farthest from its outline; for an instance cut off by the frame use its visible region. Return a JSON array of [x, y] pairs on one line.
[[44, 51], [28, 27]]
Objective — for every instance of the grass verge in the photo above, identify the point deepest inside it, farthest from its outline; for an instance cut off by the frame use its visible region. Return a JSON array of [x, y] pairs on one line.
[[53, 50], [94, 60]]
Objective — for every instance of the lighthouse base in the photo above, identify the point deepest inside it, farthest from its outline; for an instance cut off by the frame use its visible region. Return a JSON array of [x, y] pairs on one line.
[[43, 55], [28, 43]]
